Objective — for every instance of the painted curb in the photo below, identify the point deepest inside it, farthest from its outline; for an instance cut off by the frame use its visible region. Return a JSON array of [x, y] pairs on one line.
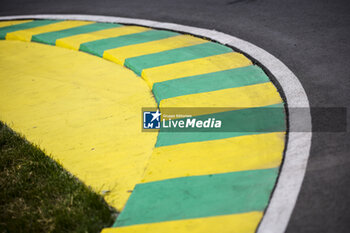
[[285, 194]]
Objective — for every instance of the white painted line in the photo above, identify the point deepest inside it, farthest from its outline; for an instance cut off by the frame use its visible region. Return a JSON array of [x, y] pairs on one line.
[[283, 200]]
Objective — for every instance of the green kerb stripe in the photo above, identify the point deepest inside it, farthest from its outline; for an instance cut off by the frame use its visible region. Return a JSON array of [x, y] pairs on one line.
[[22, 26], [198, 196], [238, 77], [51, 37], [137, 64], [234, 124], [99, 46]]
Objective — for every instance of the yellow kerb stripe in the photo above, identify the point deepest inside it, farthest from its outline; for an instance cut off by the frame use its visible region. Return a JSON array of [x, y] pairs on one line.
[[257, 95], [26, 35], [118, 55], [74, 42], [10, 23], [249, 152], [235, 223], [194, 67]]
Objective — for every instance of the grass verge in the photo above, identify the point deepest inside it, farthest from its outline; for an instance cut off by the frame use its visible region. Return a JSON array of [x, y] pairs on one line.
[[38, 195]]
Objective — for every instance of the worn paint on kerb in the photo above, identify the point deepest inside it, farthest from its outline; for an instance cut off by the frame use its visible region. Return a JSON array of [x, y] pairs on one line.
[[250, 96], [224, 79], [138, 64], [10, 23], [118, 55], [74, 42], [52, 37], [202, 66], [8, 28], [98, 47], [26, 34]]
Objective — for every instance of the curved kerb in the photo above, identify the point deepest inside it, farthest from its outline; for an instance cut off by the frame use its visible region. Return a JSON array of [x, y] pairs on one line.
[[285, 194]]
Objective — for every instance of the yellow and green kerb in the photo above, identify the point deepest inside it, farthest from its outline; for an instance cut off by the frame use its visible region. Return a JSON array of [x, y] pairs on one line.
[[86, 112]]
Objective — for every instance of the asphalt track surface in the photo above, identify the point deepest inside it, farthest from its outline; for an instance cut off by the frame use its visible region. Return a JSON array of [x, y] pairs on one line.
[[310, 37]]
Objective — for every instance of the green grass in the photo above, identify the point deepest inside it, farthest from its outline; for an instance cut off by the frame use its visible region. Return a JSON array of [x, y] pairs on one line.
[[38, 195]]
